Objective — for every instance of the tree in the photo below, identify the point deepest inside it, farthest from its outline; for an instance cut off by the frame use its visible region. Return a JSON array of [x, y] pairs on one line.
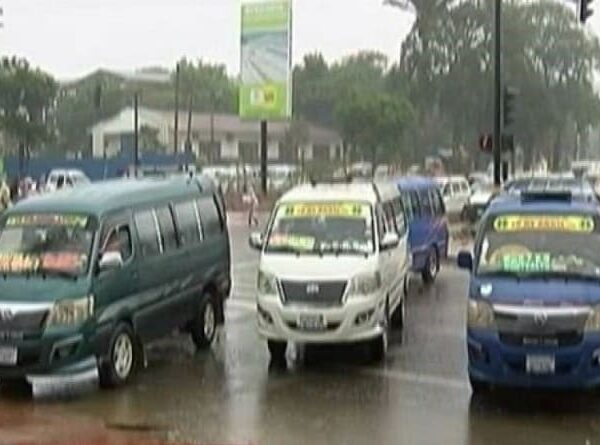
[[26, 96]]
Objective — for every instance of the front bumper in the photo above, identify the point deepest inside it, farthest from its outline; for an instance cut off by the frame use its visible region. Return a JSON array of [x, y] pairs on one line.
[[341, 321], [491, 361], [69, 353]]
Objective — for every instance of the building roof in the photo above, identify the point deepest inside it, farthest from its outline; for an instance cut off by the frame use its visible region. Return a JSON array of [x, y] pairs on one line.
[[100, 198], [203, 122], [145, 75]]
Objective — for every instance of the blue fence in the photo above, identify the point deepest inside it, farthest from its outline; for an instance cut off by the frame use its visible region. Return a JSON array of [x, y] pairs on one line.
[[96, 169]]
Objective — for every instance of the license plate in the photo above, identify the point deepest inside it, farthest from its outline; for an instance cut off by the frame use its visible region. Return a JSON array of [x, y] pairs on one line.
[[540, 364], [312, 322], [8, 356]]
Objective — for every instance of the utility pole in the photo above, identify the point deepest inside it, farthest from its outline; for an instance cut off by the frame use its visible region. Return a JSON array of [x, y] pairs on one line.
[[263, 156], [136, 134], [188, 141], [497, 144], [176, 124]]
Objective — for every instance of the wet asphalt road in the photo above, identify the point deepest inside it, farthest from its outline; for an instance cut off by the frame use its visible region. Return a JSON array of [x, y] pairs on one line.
[[231, 395]]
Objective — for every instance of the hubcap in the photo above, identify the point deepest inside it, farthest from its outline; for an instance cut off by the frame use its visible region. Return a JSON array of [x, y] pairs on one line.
[[433, 264], [209, 320], [123, 356]]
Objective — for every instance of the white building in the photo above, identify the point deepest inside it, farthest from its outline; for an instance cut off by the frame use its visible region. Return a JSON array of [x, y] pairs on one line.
[[218, 138]]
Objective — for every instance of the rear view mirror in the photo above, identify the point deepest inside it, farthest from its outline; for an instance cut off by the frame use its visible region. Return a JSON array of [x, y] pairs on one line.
[[256, 240], [465, 260], [390, 240], [110, 260]]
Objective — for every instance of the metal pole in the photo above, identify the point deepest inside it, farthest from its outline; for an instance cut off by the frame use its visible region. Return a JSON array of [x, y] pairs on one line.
[[176, 124], [136, 134], [188, 142], [497, 92], [263, 156]]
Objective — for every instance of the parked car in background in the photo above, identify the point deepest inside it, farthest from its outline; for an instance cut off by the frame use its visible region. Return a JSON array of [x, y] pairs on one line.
[[455, 193], [428, 234], [59, 179], [481, 195]]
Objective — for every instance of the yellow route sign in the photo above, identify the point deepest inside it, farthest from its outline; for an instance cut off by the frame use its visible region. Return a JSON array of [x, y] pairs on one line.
[[333, 209], [544, 223]]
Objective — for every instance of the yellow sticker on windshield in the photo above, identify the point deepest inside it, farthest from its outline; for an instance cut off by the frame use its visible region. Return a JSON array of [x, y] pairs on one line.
[[41, 219], [332, 209], [544, 223]]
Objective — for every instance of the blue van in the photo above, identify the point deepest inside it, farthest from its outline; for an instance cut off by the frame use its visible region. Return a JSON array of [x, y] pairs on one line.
[[428, 225], [534, 293]]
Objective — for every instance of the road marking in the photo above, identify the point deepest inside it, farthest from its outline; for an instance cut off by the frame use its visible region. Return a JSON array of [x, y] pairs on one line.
[[411, 377], [241, 304]]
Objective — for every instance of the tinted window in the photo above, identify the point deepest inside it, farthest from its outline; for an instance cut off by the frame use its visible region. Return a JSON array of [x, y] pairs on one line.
[[408, 206], [187, 222], [425, 203], [390, 218], [146, 228], [435, 202], [416, 204], [455, 188], [167, 228], [209, 217], [399, 215]]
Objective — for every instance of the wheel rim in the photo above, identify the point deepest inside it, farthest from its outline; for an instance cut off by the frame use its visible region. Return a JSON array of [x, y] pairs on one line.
[[123, 356], [433, 264], [209, 320]]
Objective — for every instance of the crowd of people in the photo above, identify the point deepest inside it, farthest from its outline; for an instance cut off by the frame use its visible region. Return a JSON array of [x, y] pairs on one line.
[[13, 190]]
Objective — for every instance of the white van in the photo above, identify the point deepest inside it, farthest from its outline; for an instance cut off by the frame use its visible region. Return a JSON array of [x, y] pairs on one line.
[[455, 192], [59, 179], [334, 267]]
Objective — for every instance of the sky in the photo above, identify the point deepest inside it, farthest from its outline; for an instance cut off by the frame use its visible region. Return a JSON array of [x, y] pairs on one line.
[[70, 38]]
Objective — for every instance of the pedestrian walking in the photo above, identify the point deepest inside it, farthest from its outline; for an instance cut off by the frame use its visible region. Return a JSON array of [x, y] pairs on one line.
[[4, 195], [253, 206]]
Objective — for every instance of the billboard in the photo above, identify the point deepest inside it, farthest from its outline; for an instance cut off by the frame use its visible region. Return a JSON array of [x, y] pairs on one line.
[[265, 88]]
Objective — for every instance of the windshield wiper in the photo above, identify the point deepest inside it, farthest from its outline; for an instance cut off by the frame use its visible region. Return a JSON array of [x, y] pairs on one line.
[[287, 249], [338, 252]]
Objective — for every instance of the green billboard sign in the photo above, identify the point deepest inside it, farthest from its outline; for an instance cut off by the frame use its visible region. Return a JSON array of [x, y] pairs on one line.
[[265, 89]]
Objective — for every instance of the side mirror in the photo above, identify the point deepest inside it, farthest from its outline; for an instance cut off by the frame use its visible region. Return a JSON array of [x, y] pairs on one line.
[[256, 240], [110, 261], [465, 260], [390, 240]]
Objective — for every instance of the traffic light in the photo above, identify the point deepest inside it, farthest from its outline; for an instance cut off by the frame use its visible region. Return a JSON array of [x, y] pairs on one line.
[[508, 104], [584, 10]]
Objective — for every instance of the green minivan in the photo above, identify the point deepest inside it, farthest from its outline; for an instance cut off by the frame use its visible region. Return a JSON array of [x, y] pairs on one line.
[[90, 275]]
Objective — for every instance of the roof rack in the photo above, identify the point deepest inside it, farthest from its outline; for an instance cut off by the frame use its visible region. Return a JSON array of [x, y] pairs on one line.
[[348, 179], [546, 195]]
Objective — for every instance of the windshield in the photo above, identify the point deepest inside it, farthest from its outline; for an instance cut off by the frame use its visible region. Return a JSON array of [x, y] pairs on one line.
[[541, 244], [325, 227], [46, 244]]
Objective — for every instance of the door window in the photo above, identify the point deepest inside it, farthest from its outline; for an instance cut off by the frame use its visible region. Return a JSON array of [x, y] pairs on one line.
[[119, 240], [147, 228], [425, 203], [167, 228], [209, 217], [408, 205], [399, 216], [188, 225], [416, 204]]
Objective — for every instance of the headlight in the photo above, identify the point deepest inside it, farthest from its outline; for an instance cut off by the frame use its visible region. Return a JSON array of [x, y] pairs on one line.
[[71, 312], [266, 283], [480, 314], [592, 323], [365, 284]]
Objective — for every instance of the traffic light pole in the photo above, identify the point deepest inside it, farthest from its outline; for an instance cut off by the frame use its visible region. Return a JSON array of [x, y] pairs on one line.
[[497, 146]]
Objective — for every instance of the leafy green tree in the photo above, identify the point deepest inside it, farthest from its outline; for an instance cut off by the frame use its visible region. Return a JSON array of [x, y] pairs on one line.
[[26, 96]]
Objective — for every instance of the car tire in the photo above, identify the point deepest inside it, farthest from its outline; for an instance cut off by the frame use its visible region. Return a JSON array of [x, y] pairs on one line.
[[378, 348], [123, 358], [277, 350], [397, 320], [432, 266], [204, 326]]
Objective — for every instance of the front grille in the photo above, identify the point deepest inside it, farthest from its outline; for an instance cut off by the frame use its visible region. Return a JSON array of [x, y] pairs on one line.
[[25, 322], [317, 293], [560, 339], [329, 326]]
